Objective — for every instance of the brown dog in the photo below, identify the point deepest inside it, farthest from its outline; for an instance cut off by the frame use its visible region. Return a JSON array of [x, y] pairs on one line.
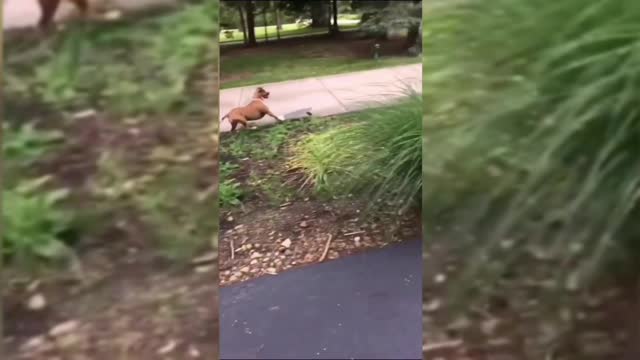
[[48, 10], [255, 110]]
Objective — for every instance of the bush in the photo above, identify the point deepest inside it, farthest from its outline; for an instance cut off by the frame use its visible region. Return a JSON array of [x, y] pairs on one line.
[[34, 224], [145, 64], [26, 144], [378, 155], [229, 191], [532, 128]]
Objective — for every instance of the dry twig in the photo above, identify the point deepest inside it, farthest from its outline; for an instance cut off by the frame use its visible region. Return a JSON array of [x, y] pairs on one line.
[[326, 248]]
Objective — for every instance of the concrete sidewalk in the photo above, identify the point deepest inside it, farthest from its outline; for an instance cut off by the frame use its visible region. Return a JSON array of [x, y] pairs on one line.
[[329, 95]]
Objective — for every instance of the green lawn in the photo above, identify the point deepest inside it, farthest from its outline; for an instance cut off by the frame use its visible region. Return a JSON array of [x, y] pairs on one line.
[[288, 30], [282, 67]]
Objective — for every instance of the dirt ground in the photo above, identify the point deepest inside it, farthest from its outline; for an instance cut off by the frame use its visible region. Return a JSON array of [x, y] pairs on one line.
[[512, 322], [143, 281], [126, 301], [280, 224]]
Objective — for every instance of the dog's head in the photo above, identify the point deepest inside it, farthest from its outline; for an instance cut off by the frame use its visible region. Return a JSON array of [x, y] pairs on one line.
[[261, 93]]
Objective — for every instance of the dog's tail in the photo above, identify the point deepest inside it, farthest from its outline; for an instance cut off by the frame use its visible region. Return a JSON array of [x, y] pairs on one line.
[[225, 117]]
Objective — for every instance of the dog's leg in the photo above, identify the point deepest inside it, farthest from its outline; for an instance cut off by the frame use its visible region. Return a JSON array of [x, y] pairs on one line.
[[234, 124], [274, 116], [82, 5], [244, 123], [47, 12]]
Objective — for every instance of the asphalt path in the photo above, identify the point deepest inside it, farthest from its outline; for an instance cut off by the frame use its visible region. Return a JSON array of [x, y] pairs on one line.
[[364, 306]]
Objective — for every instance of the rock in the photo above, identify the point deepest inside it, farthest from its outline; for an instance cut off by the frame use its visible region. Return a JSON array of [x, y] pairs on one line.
[[271, 271], [85, 114], [205, 258], [193, 351], [253, 262], [460, 324], [597, 344], [37, 302], [245, 269], [433, 305], [489, 326], [304, 224], [205, 269], [169, 347], [64, 328], [255, 255], [34, 344], [286, 243], [230, 218], [33, 286], [68, 341], [112, 15], [440, 278]]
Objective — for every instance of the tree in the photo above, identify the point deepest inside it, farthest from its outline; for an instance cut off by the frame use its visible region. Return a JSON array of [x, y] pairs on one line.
[[319, 13], [394, 15], [246, 13], [368, 8], [334, 7], [243, 24], [251, 23], [278, 18]]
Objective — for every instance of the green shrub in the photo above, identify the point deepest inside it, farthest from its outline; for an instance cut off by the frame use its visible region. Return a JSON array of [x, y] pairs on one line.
[[377, 156], [532, 129], [34, 223], [230, 192], [26, 144], [144, 64]]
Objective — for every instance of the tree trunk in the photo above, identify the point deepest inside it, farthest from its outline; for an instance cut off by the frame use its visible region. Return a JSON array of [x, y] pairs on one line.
[[251, 23], [278, 20], [243, 25], [278, 23], [264, 17], [419, 39], [319, 14], [335, 29], [413, 36]]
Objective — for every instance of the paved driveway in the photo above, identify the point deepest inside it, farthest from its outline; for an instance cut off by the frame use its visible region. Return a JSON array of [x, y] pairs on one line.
[[364, 306]]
